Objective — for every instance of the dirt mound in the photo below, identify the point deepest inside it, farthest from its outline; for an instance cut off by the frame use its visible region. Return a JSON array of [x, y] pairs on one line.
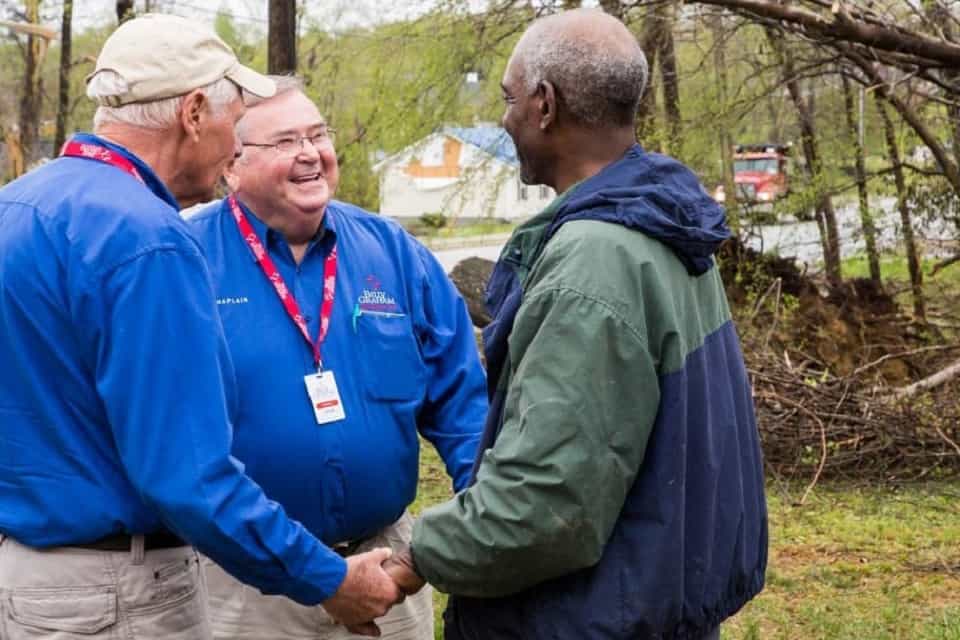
[[470, 277], [838, 329]]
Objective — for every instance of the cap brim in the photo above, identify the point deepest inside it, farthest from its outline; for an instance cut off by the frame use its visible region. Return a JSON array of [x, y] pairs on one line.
[[251, 81]]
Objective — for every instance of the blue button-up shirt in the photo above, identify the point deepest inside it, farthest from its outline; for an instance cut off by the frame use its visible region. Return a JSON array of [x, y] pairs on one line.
[[400, 344], [116, 384]]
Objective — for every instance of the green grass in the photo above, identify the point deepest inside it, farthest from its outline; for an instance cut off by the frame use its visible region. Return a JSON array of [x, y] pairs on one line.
[[485, 228], [435, 487], [853, 563], [894, 267], [873, 563]]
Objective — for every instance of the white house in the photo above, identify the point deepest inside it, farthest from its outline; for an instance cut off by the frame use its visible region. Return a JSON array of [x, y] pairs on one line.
[[461, 172]]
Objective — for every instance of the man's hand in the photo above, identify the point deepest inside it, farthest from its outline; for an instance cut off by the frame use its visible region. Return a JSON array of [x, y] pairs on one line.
[[400, 567], [367, 592]]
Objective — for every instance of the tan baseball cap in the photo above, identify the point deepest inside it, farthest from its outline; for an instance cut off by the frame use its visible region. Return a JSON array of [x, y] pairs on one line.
[[162, 56]]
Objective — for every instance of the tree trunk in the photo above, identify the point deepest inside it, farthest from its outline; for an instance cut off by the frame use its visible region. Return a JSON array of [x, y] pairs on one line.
[[941, 16], [124, 10], [670, 80], [615, 8], [826, 217], [282, 37], [726, 143], [30, 102], [646, 114], [860, 173], [16, 165], [63, 97], [913, 261]]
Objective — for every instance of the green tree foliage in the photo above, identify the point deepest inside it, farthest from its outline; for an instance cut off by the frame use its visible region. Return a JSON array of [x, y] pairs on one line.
[[386, 88]]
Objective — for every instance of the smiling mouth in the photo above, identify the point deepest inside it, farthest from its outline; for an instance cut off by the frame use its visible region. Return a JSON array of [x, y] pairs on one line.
[[312, 177]]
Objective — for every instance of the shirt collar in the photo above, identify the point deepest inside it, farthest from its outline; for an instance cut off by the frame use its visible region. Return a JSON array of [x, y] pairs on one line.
[[272, 239], [150, 179]]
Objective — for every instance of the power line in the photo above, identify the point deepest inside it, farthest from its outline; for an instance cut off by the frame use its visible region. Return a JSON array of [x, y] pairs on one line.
[[208, 10]]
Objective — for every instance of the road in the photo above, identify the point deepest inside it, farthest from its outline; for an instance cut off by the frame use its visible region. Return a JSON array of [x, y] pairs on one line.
[[800, 240], [450, 257]]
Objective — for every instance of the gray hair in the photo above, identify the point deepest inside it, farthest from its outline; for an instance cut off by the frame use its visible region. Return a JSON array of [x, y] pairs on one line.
[[599, 82], [285, 84], [156, 114]]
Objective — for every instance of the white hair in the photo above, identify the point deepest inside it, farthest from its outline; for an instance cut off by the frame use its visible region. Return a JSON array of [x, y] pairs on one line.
[[285, 84], [156, 114], [599, 81]]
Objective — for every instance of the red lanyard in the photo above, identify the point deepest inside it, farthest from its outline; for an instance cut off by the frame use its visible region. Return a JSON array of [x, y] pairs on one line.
[[273, 275], [98, 152]]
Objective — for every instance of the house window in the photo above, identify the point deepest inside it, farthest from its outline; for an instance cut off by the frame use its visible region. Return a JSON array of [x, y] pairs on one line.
[[523, 191], [544, 192]]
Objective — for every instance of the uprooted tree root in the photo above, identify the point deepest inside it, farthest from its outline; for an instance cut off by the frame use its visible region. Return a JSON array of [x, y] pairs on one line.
[[831, 373]]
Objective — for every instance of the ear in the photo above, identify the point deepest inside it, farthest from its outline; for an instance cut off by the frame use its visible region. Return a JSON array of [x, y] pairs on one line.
[[193, 112], [546, 97], [231, 176]]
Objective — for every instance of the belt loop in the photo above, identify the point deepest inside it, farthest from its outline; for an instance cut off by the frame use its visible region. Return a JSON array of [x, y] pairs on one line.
[[137, 549]]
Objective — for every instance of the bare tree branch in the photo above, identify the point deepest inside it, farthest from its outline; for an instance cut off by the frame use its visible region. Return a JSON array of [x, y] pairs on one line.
[[844, 27]]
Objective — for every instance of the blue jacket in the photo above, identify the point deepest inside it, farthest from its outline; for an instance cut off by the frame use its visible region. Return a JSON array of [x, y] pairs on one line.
[[400, 344], [116, 387], [688, 543]]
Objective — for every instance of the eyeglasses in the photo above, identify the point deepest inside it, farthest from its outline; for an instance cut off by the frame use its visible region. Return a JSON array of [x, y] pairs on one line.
[[292, 146]]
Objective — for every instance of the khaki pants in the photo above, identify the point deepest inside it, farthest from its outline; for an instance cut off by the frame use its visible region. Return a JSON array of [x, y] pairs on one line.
[[240, 612], [68, 593]]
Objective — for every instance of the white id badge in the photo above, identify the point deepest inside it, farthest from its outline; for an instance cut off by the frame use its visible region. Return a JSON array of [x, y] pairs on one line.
[[324, 397]]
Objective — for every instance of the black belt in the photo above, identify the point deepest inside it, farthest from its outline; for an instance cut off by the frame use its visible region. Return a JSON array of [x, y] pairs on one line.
[[162, 539], [347, 549]]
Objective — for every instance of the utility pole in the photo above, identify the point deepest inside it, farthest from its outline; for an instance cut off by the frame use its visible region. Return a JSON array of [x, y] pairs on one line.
[[28, 123], [63, 96], [282, 37], [125, 10]]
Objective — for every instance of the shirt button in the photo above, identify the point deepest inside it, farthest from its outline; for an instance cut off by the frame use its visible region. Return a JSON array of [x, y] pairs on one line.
[[307, 318]]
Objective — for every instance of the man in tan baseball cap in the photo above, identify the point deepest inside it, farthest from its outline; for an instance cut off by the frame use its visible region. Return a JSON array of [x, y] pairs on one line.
[[119, 408], [161, 56], [169, 90]]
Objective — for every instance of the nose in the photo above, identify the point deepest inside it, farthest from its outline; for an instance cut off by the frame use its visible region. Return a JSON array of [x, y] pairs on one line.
[[237, 145], [307, 148]]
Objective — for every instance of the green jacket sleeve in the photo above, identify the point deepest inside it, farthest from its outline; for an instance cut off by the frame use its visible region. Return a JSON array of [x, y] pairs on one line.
[[581, 403]]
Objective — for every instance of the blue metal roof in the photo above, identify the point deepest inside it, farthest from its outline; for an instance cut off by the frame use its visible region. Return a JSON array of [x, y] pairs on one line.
[[493, 140]]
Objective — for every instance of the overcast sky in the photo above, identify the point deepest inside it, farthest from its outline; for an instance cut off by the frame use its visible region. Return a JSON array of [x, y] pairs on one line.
[[246, 13], [252, 14]]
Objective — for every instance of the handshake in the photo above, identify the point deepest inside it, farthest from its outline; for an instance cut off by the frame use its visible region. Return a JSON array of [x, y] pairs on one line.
[[375, 581]]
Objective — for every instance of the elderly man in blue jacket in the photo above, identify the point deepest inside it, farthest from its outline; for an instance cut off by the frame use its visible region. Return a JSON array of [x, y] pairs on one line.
[[619, 491], [348, 340]]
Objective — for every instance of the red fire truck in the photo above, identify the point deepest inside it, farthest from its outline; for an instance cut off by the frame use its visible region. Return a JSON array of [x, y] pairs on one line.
[[759, 172]]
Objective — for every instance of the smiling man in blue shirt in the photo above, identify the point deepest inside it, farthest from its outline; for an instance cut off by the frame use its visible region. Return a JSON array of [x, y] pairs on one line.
[[347, 339]]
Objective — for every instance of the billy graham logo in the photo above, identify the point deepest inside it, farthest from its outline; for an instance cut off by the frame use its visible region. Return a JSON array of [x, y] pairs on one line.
[[374, 298]]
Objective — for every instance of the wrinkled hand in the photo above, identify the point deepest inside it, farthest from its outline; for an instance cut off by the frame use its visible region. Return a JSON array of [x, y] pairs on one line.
[[367, 592], [400, 567]]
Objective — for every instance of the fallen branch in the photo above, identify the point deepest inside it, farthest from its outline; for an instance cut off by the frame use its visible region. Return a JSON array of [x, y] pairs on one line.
[[930, 382], [902, 354], [943, 264]]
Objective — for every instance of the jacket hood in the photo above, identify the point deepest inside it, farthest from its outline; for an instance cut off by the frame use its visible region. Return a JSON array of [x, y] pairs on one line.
[[656, 195]]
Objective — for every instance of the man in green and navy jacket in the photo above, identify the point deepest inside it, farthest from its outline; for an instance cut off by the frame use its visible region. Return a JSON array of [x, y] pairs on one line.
[[618, 492]]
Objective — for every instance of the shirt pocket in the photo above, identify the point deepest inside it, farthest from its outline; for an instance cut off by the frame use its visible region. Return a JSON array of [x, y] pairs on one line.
[[69, 612], [392, 366]]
